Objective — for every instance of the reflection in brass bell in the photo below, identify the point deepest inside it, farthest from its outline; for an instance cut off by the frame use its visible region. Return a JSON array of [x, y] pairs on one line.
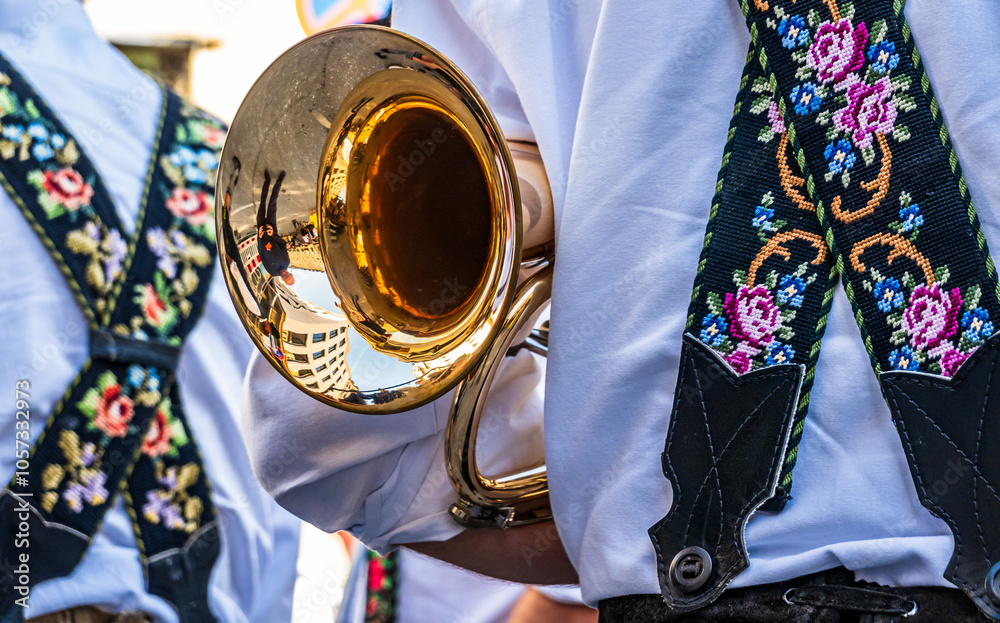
[[370, 227]]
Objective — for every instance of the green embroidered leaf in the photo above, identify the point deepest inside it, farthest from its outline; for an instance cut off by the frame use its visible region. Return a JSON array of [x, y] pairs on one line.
[[7, 149], [763, 237], [80, 243], [788, 315], [898, 338], [913, 236], [804, 72], [895, 226], [767, 199], [901, 133], [31, 109], [868, 153], [69, 443], [867, 285], [780, 12], [799, 56], [714, 302], [908, 281], [88, 403], [935, 368], [760, 85], [832, 134], [901, 83], [765, 135], [180, 437], [972, 296], [846, 178], [876, 274], [69, 154], [829, 176], [824, 117], [879, 30], [965, 343], [941, 275], [740, 277], [95, 275], [895, 320], [761, 104], [814, 18], [726, 348], [784, 333], [106, 380], [847, 10], [904, 102], [779, 224], [772, 280]]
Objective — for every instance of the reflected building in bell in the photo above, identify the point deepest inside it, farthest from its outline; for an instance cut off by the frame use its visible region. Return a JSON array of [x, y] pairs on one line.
[[315, 344], [250, 257]]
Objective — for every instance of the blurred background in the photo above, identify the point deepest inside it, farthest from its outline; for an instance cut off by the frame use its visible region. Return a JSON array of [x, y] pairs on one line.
[[211, 51]]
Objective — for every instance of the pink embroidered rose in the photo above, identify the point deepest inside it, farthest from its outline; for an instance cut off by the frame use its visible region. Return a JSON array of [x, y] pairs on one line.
[[741, 359], [157, 439], [952, 360], [114, 411], [837, 50], [774, 116], [193, 206], [931, 316], [753, 316], [66, 187], [869, 111], [154, 308]]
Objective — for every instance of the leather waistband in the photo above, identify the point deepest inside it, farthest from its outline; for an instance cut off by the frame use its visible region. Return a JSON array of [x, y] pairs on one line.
[[831, 596]]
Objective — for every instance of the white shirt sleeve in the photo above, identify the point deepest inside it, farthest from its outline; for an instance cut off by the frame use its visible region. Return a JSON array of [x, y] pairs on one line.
[[382, 478]]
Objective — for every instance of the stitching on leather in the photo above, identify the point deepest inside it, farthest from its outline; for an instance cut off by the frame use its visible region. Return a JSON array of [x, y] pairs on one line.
[[979, 441], [715, 465], [943, 514]]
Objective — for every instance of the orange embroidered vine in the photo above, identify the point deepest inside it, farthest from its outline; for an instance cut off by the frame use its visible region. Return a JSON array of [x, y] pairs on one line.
[[790, 181], [775, 246], [880, 185], [901, 247]]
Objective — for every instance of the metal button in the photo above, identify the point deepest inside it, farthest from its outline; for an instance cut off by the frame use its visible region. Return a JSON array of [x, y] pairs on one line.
[[993, 584], [690, 569]]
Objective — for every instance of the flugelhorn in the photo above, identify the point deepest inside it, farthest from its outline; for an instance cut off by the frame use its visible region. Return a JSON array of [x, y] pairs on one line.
[[369, 222]]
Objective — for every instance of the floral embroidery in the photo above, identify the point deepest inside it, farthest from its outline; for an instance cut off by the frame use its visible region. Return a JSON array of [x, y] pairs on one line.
[[156, 309], [80, 473], [837, 50], [840, 156], [172, 505], [888, 295], [380, 602], [807, 98], [106, 249], [713, 330], [190, 205], [869, 111], [793, 32], [883, 57]]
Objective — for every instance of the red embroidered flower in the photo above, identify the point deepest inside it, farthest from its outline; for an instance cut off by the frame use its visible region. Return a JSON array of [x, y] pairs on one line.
[[376, 575], [193, 206], [114, 411], [931, 316], [154, 309], [157, 440], [869, 111], [67, 187], [837, 50], [952, 360], [753, 316]]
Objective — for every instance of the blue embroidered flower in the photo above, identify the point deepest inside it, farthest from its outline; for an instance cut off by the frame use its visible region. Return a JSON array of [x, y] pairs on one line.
[[911, 217], [762, 218], [840, 156], [154, 381], [883, 57], [806, 98], [713, 329], [888, 295], [977, 324], [793, 32], [58, 141], [14, 133], [42, 151], [136, 375], [779, 353], [790, 290], [904, 359], [37, 131]]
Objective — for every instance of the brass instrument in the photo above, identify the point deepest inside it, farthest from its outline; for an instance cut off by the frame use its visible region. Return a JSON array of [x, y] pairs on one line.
[[369, 223]]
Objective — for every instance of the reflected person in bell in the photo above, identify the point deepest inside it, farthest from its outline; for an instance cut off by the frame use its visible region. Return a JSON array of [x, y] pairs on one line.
[[272, 248]]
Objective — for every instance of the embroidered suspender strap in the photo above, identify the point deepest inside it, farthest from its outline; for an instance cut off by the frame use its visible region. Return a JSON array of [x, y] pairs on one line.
[[120, 426], [756, 319], [382, 601]]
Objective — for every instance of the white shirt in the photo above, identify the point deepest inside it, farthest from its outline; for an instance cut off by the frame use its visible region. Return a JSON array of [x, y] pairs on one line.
[[113, 108], [630, 103]]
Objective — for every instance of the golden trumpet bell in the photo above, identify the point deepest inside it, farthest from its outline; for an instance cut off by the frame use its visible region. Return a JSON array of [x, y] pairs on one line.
[[369, 225]]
